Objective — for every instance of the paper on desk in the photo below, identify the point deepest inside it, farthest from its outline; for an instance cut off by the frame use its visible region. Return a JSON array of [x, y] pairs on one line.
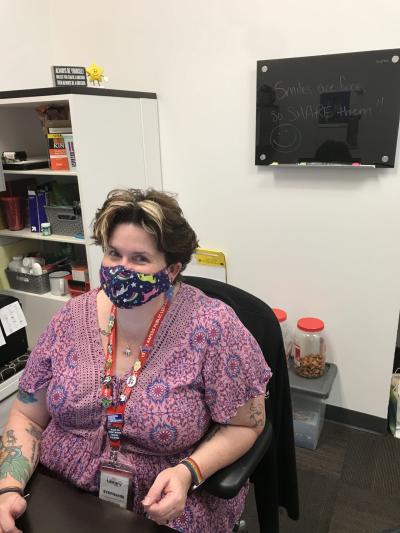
[[12, 318]]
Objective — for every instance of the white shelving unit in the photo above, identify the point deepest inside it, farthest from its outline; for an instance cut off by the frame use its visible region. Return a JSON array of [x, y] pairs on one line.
[[116, 138], [42, 172], [47, 295], [27, 234]]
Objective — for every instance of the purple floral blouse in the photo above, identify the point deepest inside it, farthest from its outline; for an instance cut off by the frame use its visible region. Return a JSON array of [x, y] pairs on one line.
[[203, 366]]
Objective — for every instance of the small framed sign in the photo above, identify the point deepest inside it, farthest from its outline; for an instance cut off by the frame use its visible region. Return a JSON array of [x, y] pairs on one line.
[[69, 76]]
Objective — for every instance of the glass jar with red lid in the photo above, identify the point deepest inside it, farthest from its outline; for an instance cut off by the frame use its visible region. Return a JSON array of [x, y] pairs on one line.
[[309, 349], [281, 315]]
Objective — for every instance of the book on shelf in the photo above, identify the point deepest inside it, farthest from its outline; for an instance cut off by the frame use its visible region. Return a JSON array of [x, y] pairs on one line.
[[60, 130], [57, 152], [42, 201], [69, 146], [37, 199]]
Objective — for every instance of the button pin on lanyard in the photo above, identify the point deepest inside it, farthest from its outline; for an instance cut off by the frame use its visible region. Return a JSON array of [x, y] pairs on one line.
[[115, 414]]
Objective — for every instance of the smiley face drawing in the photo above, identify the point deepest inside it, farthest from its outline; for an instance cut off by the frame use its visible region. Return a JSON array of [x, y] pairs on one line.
[[285, 138]]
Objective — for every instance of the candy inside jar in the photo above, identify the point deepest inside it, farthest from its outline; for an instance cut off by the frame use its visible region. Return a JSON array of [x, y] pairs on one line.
[[309, 353]]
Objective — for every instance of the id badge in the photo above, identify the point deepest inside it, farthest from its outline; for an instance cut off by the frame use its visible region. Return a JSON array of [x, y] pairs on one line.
[[116, 485]]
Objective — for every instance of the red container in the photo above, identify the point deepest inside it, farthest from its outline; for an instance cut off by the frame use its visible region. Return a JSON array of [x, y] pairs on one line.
[[76, 288], [13, 208]]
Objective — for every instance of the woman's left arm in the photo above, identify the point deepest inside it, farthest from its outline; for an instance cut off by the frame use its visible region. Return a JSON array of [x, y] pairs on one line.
[[222, 446]]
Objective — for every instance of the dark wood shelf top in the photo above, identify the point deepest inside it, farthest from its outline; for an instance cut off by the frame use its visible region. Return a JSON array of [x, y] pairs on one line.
[[54, 91]]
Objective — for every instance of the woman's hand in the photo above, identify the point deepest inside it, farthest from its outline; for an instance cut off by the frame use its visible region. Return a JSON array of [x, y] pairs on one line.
[[166, 498], [12, 506]]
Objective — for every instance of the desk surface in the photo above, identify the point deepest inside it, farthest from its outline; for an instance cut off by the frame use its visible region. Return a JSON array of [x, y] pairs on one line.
[[55, 506]]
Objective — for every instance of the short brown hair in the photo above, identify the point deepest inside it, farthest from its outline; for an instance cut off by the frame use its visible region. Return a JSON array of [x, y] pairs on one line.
[[156, 212]]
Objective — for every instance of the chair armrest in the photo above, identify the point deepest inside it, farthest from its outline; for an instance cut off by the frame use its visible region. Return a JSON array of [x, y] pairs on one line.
[[227, 482]]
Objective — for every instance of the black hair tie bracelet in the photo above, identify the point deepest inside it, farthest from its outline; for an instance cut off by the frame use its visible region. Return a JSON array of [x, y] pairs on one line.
[[12, 489]]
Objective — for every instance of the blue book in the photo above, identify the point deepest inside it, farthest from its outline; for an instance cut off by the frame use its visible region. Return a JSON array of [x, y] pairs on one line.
[[33, 211], [41, 202]]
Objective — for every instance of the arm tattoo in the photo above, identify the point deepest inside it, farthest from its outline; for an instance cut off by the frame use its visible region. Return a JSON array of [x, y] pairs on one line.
[[212, 432], [26, 397], [36, 434], [257, 417], [34, 431], [34, 452], [12, 462], [10, 436]]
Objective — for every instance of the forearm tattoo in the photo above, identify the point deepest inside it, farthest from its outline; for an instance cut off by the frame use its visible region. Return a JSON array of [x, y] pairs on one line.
[[36, 434], [12, 462], [257, 414], [34, 453], [34, 431], [26, 397]]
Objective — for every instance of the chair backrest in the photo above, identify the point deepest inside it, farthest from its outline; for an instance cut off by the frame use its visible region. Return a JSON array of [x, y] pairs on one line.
[[255, 314], [258, 318], [276, 475]]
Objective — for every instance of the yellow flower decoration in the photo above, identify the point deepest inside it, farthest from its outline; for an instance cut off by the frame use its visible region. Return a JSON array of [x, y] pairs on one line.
[[95, 72]]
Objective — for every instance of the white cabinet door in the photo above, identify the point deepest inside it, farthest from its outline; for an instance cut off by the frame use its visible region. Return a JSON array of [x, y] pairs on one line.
[[8, 392], [117, 146]]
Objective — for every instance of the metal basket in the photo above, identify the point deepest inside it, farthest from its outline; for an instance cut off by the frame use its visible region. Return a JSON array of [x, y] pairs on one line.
[[28, 282], [64, 220]]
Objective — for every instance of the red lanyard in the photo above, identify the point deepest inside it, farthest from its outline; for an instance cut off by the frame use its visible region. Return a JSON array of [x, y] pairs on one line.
[[115, 414]]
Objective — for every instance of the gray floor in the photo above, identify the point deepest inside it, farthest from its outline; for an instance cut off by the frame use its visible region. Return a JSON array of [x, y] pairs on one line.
[[350, 484]]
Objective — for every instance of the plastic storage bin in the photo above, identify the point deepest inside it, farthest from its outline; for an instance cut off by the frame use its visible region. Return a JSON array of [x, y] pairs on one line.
[[308, 419], [308, 402], [27, 282], [64, 220]]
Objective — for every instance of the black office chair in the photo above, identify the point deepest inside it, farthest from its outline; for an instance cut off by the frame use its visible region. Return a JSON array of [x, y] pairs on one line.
[[228, 481], [275, 475]]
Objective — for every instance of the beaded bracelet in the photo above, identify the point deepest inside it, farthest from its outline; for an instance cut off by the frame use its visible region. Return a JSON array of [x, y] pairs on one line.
[[197, 476]]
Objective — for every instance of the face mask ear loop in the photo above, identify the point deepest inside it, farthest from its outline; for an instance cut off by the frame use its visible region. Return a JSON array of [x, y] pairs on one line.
[[169, 293]]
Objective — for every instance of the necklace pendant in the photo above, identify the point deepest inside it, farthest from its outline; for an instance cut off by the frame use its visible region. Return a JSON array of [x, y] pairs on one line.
[[127, 351]]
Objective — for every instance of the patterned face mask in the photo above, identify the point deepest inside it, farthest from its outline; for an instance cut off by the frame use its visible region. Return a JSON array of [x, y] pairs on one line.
[[128, 288]]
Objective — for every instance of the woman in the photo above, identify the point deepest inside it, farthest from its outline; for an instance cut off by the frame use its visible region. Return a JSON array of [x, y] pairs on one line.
[[146, 383]]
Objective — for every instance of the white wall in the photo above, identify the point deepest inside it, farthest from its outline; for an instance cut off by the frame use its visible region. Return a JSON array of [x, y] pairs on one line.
[[321, 242], [26, 41]]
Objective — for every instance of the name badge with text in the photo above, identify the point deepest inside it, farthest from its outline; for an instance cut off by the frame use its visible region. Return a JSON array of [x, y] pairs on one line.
[[116, 486]]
